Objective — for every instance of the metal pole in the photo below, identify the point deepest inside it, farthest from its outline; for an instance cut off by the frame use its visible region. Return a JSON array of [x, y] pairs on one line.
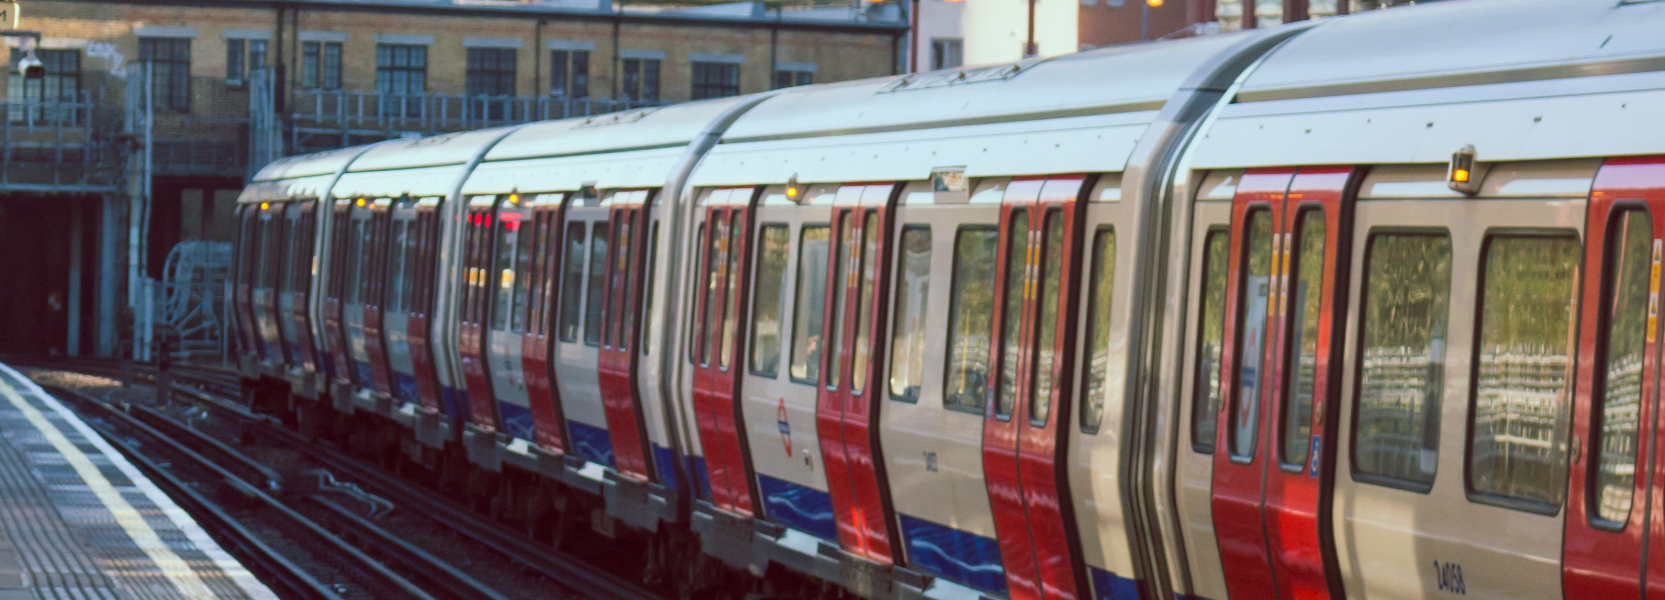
[[1029, 47], [1144, 21], [72, 347]]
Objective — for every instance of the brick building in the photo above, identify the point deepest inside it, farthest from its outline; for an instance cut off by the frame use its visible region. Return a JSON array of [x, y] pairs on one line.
[[110, 177]]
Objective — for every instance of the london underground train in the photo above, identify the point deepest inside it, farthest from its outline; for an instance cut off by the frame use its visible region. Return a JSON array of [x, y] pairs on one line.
[[1364, 307]]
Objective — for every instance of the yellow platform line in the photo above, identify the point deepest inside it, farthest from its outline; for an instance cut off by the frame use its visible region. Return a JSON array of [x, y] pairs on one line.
[[184, 578]]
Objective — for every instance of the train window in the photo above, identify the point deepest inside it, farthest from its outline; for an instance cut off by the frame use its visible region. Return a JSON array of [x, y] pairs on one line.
[[619, 285], [845, 237], [572, 282], [970, 318], [367, 247], [696, 325], [269, 256], [507, 237], [1048, 298], [397, 258], [1524, 361], [652, 257], [715, 246], [598, 279], [864, 302], [769, 302], [908, 333], [355, 260], [731, 307], [1255, 292], [1306, 293], [1011, 346], [808, 306], [522, 277], [1098, 385], [1407, 295], [1626, 325], [544, 286]]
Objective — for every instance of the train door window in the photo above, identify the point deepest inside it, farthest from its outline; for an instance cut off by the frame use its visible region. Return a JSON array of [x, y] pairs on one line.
[[1100, 290], [367, 272], [521, 291], [1627, 328], [398, 255], [415, 240], [970, 318], [652, 258], [714, 246], [572, 282], [696, 325], [272, 239], [1011, 322], [808, 306], [1407, 295], [908, 334], [1257, 284], [869, 262], [731, 311], [355, 260], [769, 302], [1052, 240], [845, 240], [622, 249], [538, 322], [507, 234], [1205, 409], [1523, 363], [1308, 272], [598, 280]]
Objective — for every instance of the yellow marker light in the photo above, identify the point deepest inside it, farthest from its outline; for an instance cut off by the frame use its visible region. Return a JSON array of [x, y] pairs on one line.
[[361, 202], [792, 193], [1460, 176], [514, 198], [1153, 3], [265, 205]]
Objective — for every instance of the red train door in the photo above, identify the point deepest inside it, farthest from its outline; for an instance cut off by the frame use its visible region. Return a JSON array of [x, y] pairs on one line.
[[1271, 508], [616, 358], [548, 421], [846, 414], [424, 232], [378, 249], [341, 366], [474, 309], [1023, 443], [1608, 531], [716, 346]]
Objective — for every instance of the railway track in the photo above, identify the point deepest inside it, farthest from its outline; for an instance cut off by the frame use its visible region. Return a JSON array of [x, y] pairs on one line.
[[423, 575]]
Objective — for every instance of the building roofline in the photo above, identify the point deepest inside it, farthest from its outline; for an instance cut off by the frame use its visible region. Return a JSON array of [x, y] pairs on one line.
[[533, 10]]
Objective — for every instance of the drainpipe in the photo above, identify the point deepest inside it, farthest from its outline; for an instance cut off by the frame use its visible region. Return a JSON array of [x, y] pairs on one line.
[[537, 60], [913, 40]]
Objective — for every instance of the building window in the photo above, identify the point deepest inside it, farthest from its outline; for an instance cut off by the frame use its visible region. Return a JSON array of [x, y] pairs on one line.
[[716, 80], [321, 65], [569, 73], [170, 64], [401, 72], [641, 79], [491, 73], [62, 83], [947, 53], [242, 58], [786, 79]]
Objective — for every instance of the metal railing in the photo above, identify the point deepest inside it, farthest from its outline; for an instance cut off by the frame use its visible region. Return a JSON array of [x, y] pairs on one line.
[[56, 145], [354, 116]]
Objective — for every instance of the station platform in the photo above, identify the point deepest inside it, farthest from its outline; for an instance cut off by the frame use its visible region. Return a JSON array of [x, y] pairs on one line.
[[78, 521]]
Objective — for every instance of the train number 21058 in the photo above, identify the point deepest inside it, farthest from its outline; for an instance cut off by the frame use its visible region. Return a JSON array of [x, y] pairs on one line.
[[1450, 577]]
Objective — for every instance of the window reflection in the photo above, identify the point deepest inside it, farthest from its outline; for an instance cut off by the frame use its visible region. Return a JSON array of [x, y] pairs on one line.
[[970, 318], [808, 308], [1099, 296], [767, 309], [913, 285], [1251, 345], [1011, 345], [1523, 366], [1205, 413], [1402, 371], [1306, 292], [1629, 269]]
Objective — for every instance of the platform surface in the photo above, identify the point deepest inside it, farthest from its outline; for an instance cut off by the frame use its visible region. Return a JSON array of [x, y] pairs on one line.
[[77, 521]]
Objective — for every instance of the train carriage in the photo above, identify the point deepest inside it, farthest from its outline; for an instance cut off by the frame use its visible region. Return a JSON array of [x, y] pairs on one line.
[[1361, 307]]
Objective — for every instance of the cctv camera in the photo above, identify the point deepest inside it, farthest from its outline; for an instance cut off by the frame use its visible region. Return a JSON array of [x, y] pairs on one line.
[[31, 66]]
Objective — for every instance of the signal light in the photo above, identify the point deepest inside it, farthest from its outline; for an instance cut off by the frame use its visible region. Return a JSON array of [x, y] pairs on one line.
[[1461, 175], [1153, 3], [265, 205]]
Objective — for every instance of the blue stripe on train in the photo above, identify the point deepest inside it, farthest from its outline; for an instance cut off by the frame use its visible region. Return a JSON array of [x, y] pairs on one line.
[[455, 403], [516, 421], [663, 466], [1110, 586], [806, 509], [958, 556], [591, 443], [702, 479], [363, 376], [404, 388]]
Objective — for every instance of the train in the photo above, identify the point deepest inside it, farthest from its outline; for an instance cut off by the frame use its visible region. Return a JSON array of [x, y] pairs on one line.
[[1360, 307]]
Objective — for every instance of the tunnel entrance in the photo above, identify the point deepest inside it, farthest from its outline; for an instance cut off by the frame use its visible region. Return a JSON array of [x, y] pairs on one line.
[[47, 276]]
